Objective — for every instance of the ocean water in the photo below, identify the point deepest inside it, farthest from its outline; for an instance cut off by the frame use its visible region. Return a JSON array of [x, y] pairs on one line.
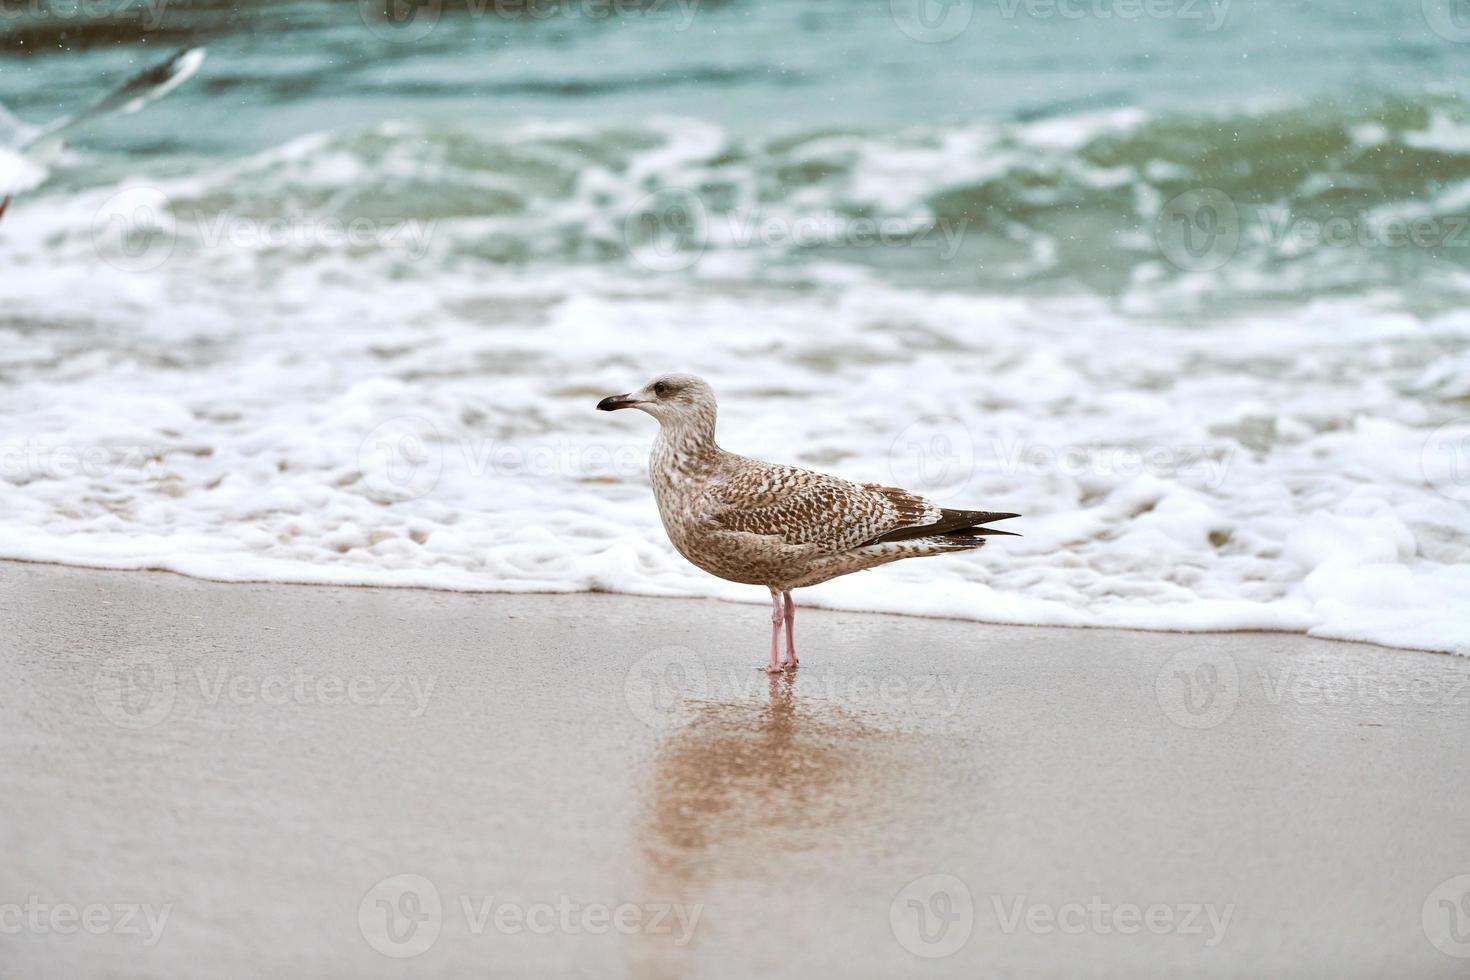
[[1182, 282]]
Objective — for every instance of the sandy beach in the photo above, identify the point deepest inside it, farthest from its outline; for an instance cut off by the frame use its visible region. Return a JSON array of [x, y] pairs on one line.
[[247, 780]]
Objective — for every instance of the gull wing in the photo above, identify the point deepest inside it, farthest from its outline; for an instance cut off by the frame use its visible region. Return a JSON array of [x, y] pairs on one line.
[[133, 94], [805, 507]]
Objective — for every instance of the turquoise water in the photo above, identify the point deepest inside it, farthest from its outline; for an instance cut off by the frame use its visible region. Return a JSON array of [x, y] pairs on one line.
[[1184, 284], [278, 69], [983, 115]]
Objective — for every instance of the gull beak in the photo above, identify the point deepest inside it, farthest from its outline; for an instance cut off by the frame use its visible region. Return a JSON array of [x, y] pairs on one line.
[[614, 402]]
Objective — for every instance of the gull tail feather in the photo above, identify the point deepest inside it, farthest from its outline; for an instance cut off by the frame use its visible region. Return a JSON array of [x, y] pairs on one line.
[[949, 522], [965, 540]]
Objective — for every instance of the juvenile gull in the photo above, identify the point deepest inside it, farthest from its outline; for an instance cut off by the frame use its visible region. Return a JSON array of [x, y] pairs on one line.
[[779, 526]]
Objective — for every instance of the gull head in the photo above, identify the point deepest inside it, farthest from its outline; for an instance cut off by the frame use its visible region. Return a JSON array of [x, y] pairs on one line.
[[670, 398]]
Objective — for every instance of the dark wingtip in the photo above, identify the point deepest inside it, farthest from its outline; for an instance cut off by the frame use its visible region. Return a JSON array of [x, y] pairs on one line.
[[971, 518]]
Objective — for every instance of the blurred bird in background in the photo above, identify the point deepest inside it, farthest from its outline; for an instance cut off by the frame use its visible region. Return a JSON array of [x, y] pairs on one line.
[[25, 150]]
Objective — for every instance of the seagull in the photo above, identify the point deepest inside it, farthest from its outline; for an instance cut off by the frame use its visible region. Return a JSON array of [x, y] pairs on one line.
[[25, 149], [783, 527]]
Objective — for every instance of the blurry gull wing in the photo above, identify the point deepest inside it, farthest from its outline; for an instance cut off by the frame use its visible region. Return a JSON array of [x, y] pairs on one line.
[[133, 94], [15, 133], [25, 149]]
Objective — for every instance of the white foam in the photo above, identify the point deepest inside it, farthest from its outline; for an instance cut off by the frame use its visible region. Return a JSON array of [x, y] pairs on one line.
[[1443, 133], [314, 413]]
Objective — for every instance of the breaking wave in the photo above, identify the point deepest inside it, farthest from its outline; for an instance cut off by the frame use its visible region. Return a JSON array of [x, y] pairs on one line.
[[1216, 360]]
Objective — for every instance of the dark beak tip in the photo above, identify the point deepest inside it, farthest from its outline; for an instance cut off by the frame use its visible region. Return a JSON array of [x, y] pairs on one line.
[[611, 403]]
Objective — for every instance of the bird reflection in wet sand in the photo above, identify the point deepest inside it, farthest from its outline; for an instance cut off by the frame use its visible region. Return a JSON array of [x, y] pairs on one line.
[[779, 769], [768, 800]]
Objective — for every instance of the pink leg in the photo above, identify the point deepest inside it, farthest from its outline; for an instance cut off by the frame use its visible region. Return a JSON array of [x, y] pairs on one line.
[[777, 616], [790, 618]]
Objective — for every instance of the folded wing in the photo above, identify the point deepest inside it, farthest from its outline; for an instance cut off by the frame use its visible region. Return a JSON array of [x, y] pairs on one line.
[[804, 507]]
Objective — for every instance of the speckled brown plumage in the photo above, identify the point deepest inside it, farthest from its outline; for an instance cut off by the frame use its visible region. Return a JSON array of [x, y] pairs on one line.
[[774, 525]]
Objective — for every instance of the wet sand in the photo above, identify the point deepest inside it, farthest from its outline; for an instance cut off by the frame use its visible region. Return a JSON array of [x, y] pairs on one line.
[[246, 780]]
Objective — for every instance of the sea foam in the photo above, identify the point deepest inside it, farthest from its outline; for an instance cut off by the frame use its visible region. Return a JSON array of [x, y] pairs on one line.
[[291, 405]]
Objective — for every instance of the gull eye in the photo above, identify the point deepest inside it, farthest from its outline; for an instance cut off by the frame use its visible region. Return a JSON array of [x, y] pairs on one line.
[[660, 389]]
